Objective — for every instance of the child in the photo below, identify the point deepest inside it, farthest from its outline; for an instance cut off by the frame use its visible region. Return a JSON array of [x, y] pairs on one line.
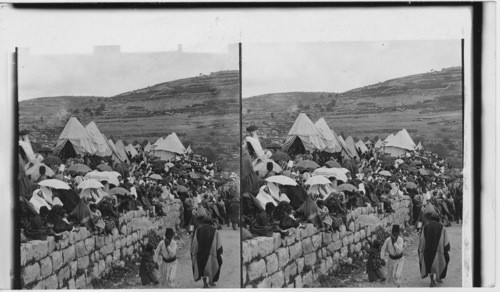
[[325, 215], [375, 263], [393, 246], [165, 254], [148, 271]]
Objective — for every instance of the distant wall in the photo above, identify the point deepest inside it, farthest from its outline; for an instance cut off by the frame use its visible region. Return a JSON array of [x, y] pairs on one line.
[[76, 260], [305, 254]]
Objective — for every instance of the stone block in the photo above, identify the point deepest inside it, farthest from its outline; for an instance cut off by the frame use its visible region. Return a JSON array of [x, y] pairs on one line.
[[283, 256], [45, 267], [324, 252], [123, 229], [90, 244], [351, 238], [80, 249], [71, 284], [100, 241], [272, 263], [300, 265], [256, 269], [357, 236], [266, 245], [327, 238], [296, 250], [291, 285], [129, 240], [23, 255], [329, 263], [301, 233], [277, 280], [352, 248], [331, 247], [351, 226], [49, 283], [310, 259], [342, 230], [298, 281], [74, 268], [124, 240], [345, 241], [108, 239], [264, 283], [246, 253], [277, 240], [63, 275], [307, 279], [83, 262], [57, 260], [343, 252], [40, 249], [317, 240], [358, 247], [80, 282], [109, 260], [135, 237], [116, 255], [307, 245], [30, 274], [51, 244], [311, 229], [336, 256], [290, 271], [69, 254], [362, 234], [291, 237]]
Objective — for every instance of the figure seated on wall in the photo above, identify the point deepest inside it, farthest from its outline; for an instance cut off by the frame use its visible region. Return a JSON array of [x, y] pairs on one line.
[[264, 224], [283, 214]]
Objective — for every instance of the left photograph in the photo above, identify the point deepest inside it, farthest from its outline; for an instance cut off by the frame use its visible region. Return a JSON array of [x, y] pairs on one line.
[[129, 168]]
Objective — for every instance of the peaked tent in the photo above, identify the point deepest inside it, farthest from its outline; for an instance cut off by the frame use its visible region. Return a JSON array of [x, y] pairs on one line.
[[398, 145], [147, 148], [419, 146], [361, 146], [389, 138], [158, 142], [368, 142], [169, 148], [131, 150], [74, 140], [303, 136], [379, 143], [331, 142], [120, 149], [349, 141], [98, 139], [346, 152], [188, 150], [116, 155], [407, 137]]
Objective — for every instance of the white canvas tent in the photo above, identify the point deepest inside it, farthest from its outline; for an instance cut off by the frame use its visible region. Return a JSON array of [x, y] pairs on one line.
[[351, 145], [131, 150], [419, 146], [188, 150], [346, 152], [169, 148], [331, 142], [361, 146], [116, 155], [120, 149], [407, 137], [147, 148], [398, 145], [379, 143], [100, 143], [303, 136], [74, 140]]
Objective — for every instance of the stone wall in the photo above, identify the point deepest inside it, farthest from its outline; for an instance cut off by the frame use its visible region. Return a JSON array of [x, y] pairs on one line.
[[306, 253], [80, 257]]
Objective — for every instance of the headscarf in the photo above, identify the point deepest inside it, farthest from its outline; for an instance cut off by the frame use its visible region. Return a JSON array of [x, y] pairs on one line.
[[37, 201]]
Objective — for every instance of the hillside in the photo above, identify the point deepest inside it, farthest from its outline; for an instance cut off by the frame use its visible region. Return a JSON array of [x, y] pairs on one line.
[[428, 105], [202, 110]]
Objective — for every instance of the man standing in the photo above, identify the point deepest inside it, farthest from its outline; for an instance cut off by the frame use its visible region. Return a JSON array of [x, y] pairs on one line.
[[206, 253]]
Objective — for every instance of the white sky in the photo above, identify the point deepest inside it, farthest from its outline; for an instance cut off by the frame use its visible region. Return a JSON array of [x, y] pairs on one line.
[[339, 66]]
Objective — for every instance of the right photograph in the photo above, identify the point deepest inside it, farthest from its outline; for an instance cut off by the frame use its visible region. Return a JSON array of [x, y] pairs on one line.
[[352, 164]]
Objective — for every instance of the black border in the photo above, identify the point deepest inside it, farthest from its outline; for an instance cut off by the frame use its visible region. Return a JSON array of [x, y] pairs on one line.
[[16, 238], [241, 154]]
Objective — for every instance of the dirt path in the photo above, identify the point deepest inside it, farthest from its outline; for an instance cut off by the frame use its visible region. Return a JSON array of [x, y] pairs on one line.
[[411, 272]]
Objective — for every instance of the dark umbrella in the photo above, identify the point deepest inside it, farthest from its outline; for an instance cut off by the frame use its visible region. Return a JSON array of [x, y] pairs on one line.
[[280, 156], [45, 150], [119, 191], [274, 146], [308, 165], [411, 185], [333, 164], [346, 187], [52, 160], [79, 169], [104, 167]]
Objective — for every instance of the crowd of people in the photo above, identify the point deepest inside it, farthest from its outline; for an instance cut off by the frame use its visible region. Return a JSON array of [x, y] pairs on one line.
[[282, 191], [59, 195]]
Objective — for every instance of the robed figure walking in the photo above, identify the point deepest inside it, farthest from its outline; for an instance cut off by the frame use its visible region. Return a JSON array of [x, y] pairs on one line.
[[206, 253]]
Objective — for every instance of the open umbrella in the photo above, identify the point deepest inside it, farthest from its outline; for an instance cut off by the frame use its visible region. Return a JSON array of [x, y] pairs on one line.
[[423, 172], [399, 161], [54, 183], [119, 191], [281, 179], [182, 189], [308, 165], [280, 156], [317, 180], [90, 183], [45, 150], [109, 176], [34, 171], [385, 173], [346, 188], [104, 167], [411, 185], [338, 173], [155, 176], [52, 160], [79, 169], [333, 164], [169, 164]]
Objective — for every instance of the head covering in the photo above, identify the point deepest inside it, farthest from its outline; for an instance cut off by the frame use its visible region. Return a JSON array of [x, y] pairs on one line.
[[252, 128], [169, 233], [395, 228]]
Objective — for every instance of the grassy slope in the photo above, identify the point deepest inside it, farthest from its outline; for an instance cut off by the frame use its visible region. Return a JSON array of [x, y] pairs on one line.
[[432, 104], [202, 110]]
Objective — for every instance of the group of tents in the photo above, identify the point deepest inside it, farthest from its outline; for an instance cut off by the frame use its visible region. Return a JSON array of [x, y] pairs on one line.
[[77, 140], [306, 136]]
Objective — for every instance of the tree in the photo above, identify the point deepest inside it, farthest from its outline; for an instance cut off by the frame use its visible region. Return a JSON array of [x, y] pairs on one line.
[[102, 106], [366, 138]]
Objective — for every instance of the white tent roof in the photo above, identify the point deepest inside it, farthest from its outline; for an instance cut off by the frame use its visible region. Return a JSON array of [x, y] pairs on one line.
[[120, 149], [76, 134], [188, 150], [419, 146], [400, 141], [345, 150], [131, 149], [331, 142], [116, 154], [147, 148], [407, 137], [379, 143], [98, 139], [361, 146], [305, 130], [172, 144], [351, 145]]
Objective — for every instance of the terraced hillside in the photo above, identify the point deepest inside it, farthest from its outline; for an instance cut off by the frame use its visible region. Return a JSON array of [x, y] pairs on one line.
[[202, 110], [428, 105]]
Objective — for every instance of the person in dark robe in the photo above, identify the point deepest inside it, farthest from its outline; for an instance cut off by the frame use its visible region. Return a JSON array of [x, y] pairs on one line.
[[310, 213], [282, 215], [234, 212], [375, 263], [433, 249], [206, 253], [26, 186], [250, 181], [148, 268], [26, 212], [69, 198], [56, 217], [296, 194]]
